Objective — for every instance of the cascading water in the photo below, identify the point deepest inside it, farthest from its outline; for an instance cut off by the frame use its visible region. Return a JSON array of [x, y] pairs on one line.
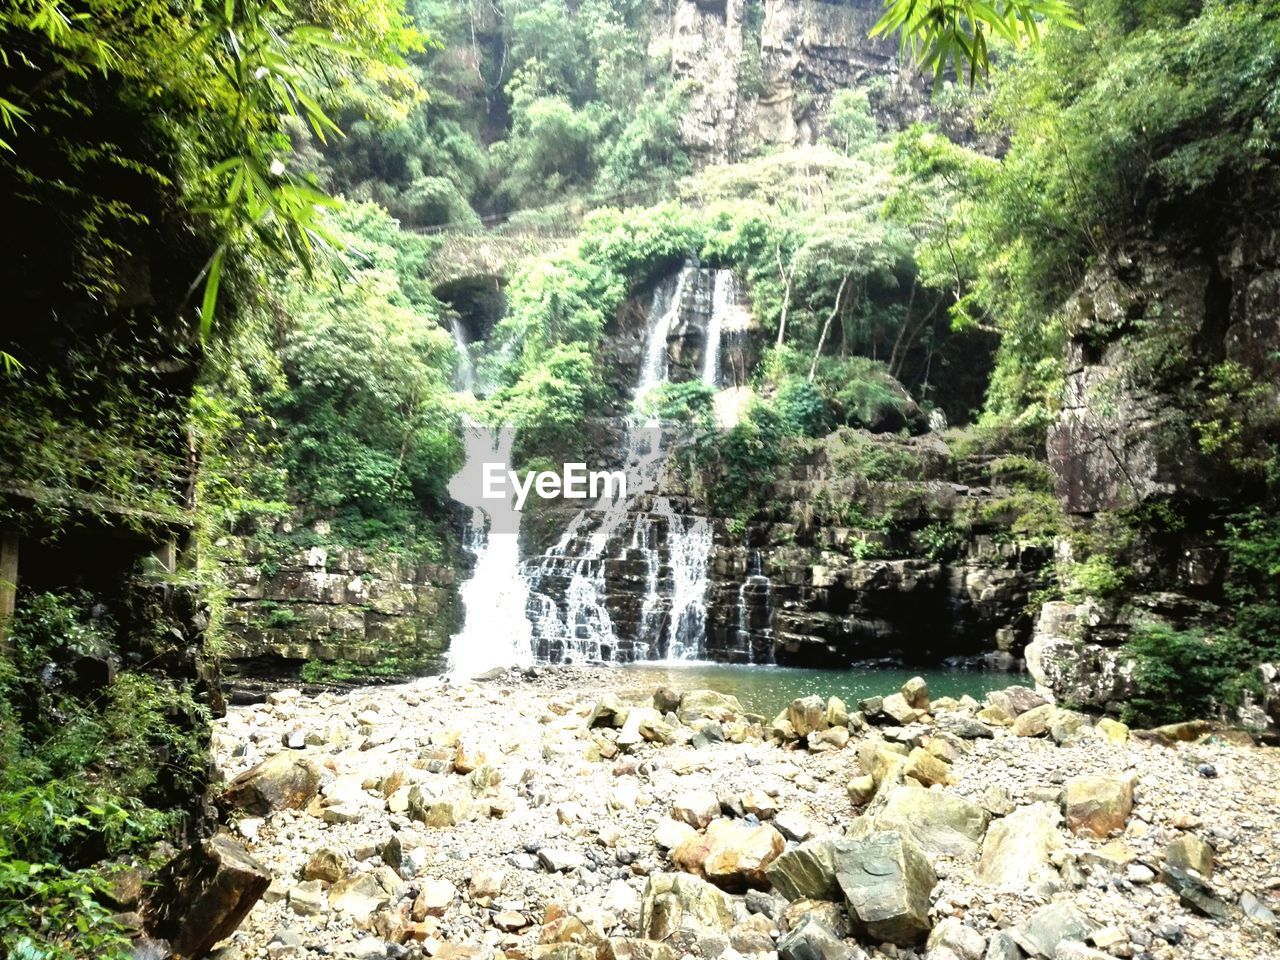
[[465, 377], [756, 591], [556, 606]]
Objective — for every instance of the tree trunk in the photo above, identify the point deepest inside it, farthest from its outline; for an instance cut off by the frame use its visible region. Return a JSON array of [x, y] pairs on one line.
[[826, 327]]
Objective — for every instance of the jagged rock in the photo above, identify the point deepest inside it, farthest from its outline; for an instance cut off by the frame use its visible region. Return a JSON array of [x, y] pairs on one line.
[[696, 704], [732, 854], [1113, 730], [861, 789], [887, 882], [916, 692], [1002, 947], [485, 883], [1097, 805], [753, 935], [959, 941], [1189, 852], [810, 939], [1065, 725], [941, 824], [325, 864], [898, 709], [1194, 893], [793, 825], [308, 898], [807, 714], [671, 833], [1040, 934], [1033, 722], [760, 804], [434, 898], [925, 768], [837, 713], [680, 903], [360, 896], [966, 728], [806, 872], [608, 712], [1015, 701], [201, 895], [282, 781], [441, 811], [696, 808], [1018, 849]]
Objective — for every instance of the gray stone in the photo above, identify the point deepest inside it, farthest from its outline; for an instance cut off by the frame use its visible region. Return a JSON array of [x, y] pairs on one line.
[[966, 728], [941, 824], [1040, 934], [961, 941], [811, 940], [887, 881], [806, 872], [560, 859], [1017, 851]]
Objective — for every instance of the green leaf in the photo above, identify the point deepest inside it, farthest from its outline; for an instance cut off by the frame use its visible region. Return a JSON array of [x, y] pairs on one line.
[[210, 301]]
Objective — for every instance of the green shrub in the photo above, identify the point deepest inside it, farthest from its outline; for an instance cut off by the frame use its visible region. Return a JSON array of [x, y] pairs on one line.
[[801, 407], [1182, 674]]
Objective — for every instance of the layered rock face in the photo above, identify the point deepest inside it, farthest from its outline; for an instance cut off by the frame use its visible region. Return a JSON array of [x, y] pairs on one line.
[[336, 604], [1153, 334], [763, 72]]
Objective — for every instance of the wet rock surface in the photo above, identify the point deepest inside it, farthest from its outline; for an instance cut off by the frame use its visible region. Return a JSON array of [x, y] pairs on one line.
[[564, 838]]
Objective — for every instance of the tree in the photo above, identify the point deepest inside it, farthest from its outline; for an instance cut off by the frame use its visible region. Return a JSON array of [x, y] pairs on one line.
[[938, 33]]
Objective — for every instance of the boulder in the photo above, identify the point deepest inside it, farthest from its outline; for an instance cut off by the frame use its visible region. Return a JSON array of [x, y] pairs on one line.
[[732, 854], [833, 738], [837, 713], [1040, 934], [926, 769], [1018, 849], [1113, 730], [632, 948], [696, 808], [941, 824], [897, 708], [1033, 722], [807, 715], [608, 712], [1016, 701], [682, 905], [201, 895], [1098, 805], [1193, 893], [697, 704], [1189, 852], [958, 940], [434, 898], [966, 728], [285, 780], [441, 810], [325, 864], [362, 895], [308, 898], [811, 939], [887, 881], [666, 700], [806, 872], [916, 692], [1065, 725]]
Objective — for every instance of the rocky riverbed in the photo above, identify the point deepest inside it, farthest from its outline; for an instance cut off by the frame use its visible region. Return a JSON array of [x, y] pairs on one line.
[[571, 815]]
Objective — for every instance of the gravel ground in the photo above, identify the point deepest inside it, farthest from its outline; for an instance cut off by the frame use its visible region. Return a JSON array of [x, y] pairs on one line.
[[558, 802]]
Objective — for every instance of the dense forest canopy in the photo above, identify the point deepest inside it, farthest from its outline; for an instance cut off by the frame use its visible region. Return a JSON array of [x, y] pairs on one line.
[[228, 224]]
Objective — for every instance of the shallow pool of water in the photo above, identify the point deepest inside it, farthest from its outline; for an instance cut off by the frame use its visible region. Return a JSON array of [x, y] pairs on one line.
[[766, 690]]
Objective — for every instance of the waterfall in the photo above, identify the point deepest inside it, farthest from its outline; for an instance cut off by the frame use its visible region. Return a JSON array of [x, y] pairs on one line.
[[496, 631], [466, 374], [556, 606], [754, 585], [723, 300]]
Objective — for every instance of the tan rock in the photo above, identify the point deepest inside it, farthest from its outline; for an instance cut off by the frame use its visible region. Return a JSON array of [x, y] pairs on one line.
[[925, 768], [1034, 722], [1098, 805], [696, 808], [679, 903], [861, 789], [1189, 852], [325, 864], [896, 706], [1113, 730], [807, 714], [732, 854], [916, 692], [435, 897], [285, 781], [1018, 849]]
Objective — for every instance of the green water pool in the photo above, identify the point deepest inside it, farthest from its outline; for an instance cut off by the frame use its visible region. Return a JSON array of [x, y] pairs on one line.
[[766, 690]]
